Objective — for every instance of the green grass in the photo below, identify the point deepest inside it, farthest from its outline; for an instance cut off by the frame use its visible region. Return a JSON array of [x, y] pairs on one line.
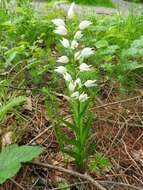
[[106, 3]]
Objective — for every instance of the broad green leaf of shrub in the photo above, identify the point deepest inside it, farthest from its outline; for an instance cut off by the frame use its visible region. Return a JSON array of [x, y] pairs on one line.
[[138, 43], [131, 66], [11, 158], [101, 44], [11, 103], [131, 52]]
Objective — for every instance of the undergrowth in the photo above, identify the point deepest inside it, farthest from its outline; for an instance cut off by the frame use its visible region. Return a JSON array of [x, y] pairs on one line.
[[104, 3]]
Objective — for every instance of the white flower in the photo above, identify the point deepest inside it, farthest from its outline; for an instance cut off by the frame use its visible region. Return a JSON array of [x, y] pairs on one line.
[[71, 11], [78, 35], [67, 77], [75, 95], [58, 22], [60, 70], [61, 30], [74, 44], [0, 104], [65, 43], [87, 52], [90, 83], [63, 59], [72, 86], [84, 24], [83, 97], [84, 67], [77, 55], [78, 82]]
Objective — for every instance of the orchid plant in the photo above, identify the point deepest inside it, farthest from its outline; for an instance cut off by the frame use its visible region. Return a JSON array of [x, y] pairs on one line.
[[70, 66]]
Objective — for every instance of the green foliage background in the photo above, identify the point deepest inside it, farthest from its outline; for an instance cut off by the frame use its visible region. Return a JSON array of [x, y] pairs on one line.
[[106, 3]]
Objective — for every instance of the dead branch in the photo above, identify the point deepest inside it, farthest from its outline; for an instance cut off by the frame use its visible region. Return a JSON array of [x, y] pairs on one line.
[[117, 102], [121, 184], [71, 172]]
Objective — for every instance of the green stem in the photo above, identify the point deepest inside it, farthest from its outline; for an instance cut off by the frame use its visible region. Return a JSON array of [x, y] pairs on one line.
[[80, 126]]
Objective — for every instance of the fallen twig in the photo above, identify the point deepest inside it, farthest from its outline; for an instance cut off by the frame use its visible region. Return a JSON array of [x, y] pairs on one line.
[[17, 184], [118, 102], [71, 172], [38, 136], [121, 184], [120, 122], [71, 185]]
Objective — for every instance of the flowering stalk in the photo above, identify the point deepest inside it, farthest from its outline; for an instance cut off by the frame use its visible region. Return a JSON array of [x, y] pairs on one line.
[[72, 64]]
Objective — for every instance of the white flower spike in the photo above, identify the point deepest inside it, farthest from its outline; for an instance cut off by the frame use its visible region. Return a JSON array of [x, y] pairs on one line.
[[75, 95], [78, 35], [58, 22], [71, 11], [63, 59], [84, 67], [65, 43], [87, 52], [61, 30], [61, 70], [74, 44], [84, 24], [67, 77], [90, 83], [83, 97]]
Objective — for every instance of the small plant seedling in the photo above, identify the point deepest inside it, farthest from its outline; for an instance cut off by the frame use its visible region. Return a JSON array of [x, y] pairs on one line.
[[99, 161]]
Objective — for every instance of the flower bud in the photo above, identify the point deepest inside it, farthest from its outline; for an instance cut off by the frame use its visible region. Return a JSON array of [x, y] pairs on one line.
[[74, 44], [87, 52], [58, 22], [78, 82], [61, 30], [78, 35], [84, 67], [75, 95], [71, 11], [84, 24], [72, 86], [63, 59], [61, 70], [65, 43], [90, 83], [67, 77], [83, 97]]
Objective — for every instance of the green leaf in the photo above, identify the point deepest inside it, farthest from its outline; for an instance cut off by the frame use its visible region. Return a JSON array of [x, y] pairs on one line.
[[71, 126], [71, 153], [12, 103], [111, 50], [12, 56], [69, 141], [131, 52], [11, 158], [138, 43], [83, 108], [101, 44], [99, 161], [87, 127], [131, 66]]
